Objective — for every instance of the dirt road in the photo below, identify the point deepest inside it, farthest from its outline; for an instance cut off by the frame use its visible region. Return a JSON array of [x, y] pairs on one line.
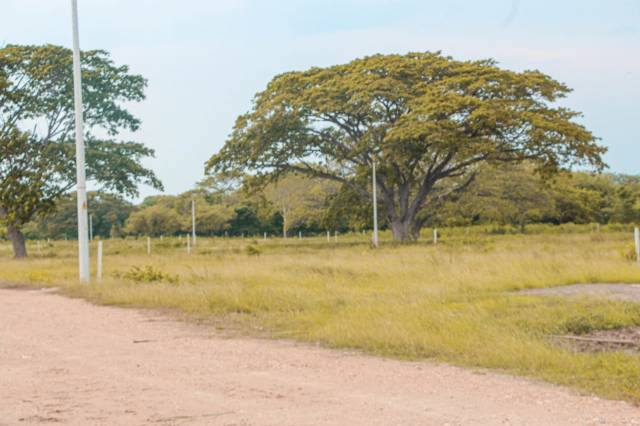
[[66, 361]]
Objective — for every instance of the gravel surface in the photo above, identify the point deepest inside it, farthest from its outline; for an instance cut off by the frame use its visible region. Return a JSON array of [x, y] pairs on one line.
[[630, 292], [66, 361]]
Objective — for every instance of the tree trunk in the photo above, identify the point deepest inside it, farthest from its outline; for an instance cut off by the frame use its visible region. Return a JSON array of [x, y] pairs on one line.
[[402, 230], [17, 240], [285, 225]]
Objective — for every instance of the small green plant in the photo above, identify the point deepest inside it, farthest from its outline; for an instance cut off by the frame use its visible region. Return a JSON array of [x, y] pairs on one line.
[[252, 251], [147, 274]]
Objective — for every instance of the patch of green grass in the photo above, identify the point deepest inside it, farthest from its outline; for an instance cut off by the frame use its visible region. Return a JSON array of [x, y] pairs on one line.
[[449, 302]]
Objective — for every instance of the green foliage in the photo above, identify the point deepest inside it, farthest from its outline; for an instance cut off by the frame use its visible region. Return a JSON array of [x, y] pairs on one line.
[[37, 164], [426, 120], [147, 274], [299, 200], [252, 250], [108, 212]]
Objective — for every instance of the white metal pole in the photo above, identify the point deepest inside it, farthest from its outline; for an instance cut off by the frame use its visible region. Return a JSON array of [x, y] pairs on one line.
[[636, 235], [375, 206], [193, 221], [83, 235], [99, 266]]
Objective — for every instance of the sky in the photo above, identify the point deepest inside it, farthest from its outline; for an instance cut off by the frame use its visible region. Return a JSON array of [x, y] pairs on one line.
[[205, 59]]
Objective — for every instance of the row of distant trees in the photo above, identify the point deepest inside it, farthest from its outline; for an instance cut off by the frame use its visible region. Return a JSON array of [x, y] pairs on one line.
[[509, 195]]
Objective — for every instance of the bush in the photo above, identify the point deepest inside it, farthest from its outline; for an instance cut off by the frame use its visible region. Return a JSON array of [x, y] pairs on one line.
[[252, 251], [147, 274]]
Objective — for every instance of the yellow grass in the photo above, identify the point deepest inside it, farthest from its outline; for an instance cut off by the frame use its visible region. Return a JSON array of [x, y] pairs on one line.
[[450, 302]]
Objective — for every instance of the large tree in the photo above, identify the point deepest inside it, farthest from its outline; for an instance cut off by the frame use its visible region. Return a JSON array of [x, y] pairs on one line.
[[37, 131], [427, 121]]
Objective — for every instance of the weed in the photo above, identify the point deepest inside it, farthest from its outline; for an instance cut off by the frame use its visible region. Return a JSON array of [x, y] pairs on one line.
[[147, 274]]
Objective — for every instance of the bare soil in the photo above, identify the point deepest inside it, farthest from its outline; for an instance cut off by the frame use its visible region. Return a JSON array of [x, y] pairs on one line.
[[624, 339], [628, 292], [65, 361]]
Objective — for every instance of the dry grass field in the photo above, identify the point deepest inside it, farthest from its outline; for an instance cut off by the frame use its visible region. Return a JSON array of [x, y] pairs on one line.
[[453, 302]]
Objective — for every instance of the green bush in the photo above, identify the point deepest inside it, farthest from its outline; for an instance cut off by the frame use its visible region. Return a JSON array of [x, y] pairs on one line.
[[252, 251], [147, 274]]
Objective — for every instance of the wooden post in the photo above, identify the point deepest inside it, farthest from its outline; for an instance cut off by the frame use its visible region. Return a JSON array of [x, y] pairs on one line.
[[99, 260], [636, 237]]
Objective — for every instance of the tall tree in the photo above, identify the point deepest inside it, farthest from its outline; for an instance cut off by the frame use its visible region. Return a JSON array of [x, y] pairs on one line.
[[427, 121], [299, 200], [37, 130]]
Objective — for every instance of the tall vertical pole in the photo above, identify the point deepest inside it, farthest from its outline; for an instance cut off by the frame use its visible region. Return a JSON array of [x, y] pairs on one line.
[[193, 221], [375, 206], [636, 238], [83, 235]]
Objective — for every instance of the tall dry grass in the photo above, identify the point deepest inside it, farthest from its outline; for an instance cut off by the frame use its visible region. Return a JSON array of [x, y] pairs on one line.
[[453, 302]]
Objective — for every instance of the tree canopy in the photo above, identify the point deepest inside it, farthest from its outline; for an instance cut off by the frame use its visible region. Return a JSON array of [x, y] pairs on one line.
[[37, 130], [427, 120]]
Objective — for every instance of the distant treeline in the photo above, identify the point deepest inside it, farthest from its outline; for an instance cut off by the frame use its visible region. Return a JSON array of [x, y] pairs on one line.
[[512, 195]]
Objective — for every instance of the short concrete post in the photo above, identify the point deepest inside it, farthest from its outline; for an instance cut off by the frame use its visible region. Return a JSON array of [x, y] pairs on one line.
[[265, 236], [335, 237], [299, 235], [328, 236], [435, 236]]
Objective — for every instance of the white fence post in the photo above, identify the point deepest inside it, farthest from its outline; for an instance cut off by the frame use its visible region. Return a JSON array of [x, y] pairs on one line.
[[99, 260], [193, 221], [265, 236], [435, 236]]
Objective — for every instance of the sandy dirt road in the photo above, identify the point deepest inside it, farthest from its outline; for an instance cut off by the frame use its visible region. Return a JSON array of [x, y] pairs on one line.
[[65, 361]]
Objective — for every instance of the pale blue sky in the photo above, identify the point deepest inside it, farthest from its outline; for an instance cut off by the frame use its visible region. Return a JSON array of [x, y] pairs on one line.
[[205, 59]]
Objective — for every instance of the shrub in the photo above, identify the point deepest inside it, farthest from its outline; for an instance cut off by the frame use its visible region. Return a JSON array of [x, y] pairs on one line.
[[147, 274], [252, 251]]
